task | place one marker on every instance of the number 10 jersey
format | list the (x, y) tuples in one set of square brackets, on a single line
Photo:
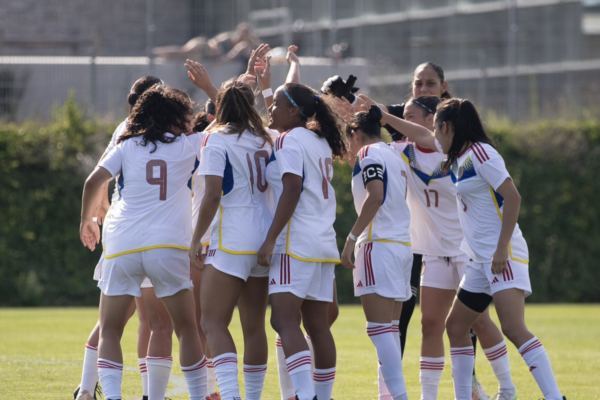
[(309, 235), (153, 208)]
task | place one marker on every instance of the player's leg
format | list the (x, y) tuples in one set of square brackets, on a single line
[(113, 317), (494, 347), (379, 312), (142, 344), (211, 378), (435, 305), (409, 305), (333, 311), (510, 306), (89, 374), (216, 316), (252, 305), (159, 361)]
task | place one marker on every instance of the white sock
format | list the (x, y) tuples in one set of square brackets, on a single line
[(299, 366), (195, 377), (384, 393), (111, 375), (389, 357), (159, 371), (463, 360), (498, 357), (254, 378), (89, 375), (285, 383), (537, 360), (312, 352), (211, 378), (323, 380), (396, 332), (431, 369), (144, 374), (227, 375)]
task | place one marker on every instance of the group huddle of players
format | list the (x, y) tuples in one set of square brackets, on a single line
[(223, 209)]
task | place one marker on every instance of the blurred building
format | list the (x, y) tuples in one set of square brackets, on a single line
[(522, 58)]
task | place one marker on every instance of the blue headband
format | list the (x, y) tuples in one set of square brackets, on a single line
[(423, 106), (293, 102)]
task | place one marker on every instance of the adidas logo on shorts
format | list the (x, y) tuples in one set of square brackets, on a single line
[(272, 282), (495, 280), (359, 284)]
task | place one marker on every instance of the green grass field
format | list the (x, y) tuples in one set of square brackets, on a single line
[(41, 352)]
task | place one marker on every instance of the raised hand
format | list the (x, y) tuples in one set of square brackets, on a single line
[(198, 74), (248, 79), (291, 56), (262, 69), (260, 52), (366, 103), (340, 88)]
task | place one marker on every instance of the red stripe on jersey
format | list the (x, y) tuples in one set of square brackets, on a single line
[(512, 277), (367, 150), (467, 149), (369, 275), (484, 154), (281, 278), (479, 158), (205, 140), (289, 274)]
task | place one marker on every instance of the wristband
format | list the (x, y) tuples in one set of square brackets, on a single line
[(267, 93), (352, 237)]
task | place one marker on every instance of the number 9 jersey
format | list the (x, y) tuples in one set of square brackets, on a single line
[(154, 204), (309, 235)]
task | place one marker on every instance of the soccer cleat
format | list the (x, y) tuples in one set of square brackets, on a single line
[(97, 392), (478, 393), (505, 396), (144, 397), (214, 396), (84, 395)]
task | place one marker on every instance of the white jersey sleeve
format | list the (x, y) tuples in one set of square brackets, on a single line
[(113, 161), (212, 160), (289, 157), (480, 170)]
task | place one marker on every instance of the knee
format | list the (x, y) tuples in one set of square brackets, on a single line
[(332, 313), (482, 326), (161, 329), (513, 331), (455, 328), (432, 326)]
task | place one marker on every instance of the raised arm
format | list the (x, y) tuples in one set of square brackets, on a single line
[(263, 76), (201, 79), (293, 75), (415, 133)]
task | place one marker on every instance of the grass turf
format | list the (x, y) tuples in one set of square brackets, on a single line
[(41, 352)]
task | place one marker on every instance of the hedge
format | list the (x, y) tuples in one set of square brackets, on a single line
[(554, 164)]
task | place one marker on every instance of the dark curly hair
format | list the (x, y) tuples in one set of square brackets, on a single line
[(236, 111), (325, 123), (158, 111), (139, 87), (461, 115), (368, 123)]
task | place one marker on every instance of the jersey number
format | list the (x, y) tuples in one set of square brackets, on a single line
[(325, 173), (434, 195), (261, 180), (161, 180)]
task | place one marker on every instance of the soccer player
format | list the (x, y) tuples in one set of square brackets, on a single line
[(436, 233), (380, 241), (147, 233), (488, 204), (161, 330), (233, 161), (300, 246)]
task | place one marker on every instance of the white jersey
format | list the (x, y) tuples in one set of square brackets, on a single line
[(197, 185), (392, 221), (111, 145), (435, 227), (240, 225), (153, 207), (309, 235), (479, 172)]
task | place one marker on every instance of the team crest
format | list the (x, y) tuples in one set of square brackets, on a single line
[(461, 171)]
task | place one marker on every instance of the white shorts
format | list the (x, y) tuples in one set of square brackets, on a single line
[(306, 280), (168, 270), (98, 274), (443, 272), (479, 278), (238, 265), (383, 268)]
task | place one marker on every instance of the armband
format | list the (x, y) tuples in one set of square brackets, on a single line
[(371, 173), (267, 93)]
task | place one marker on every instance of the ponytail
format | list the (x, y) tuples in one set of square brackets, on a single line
[(325, 122)]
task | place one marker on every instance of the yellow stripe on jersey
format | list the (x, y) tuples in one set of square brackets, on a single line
[(500, 216), (160, 246), (289, 253), (392, 241), (221, 238)]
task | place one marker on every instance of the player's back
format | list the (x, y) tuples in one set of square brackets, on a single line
[(153, 208)]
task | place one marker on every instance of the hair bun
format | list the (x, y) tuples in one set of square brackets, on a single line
[(132, 98), (374, 114)]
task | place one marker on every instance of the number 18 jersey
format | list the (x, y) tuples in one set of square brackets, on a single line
[(154, 204), (309, 235)]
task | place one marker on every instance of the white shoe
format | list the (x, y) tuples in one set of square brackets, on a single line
[(505, 396), (478, 393), (84, 395)]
